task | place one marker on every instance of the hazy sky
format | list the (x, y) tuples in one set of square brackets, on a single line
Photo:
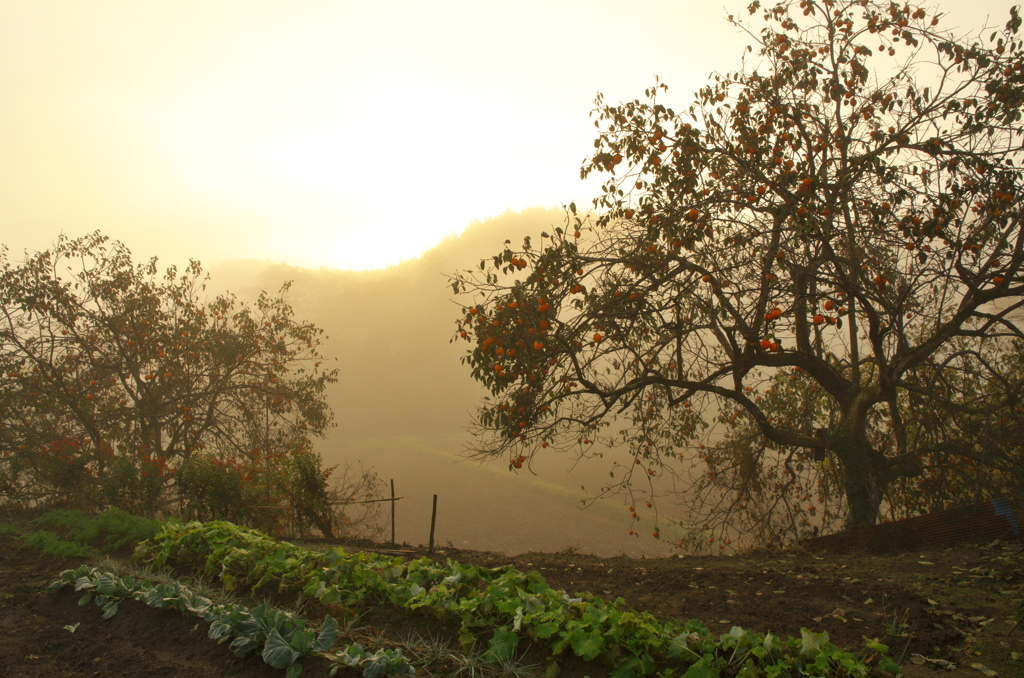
[(323, 133)]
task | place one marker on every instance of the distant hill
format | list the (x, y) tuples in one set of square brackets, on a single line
[(403, 399), (390, 328)]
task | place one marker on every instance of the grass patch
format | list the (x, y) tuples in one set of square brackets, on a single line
[(107, 532), (50, 544), (8, 529), (74, 534)]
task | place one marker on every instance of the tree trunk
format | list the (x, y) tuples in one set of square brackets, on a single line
[(321, 520), (865, 481)]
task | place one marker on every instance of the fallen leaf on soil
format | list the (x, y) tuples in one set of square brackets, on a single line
[(941, 663), (839, 614), (984, 669)]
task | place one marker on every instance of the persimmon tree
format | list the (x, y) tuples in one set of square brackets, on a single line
[(843, 212), (755, 487), (113, 373)]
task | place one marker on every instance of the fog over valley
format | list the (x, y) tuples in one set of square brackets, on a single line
[(403, 401)]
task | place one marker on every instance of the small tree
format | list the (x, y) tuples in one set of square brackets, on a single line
[(844, 211), (283, 491), (120, 373)]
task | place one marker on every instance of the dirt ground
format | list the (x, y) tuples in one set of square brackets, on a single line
[(951, 604)]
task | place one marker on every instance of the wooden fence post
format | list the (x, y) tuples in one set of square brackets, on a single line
[(433, 519)]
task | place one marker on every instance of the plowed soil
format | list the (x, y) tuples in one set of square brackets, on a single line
[(957, 605)]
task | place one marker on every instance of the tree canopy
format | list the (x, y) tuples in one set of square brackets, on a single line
[(115, 374), (809, 280)]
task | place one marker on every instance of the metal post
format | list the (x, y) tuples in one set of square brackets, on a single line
[(393, 511)]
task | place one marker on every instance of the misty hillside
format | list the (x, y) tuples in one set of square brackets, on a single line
[(389, 329), (403, 399)]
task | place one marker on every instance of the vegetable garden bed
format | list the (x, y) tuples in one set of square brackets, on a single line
[(394, 614)]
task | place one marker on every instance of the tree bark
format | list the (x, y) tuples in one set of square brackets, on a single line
[(865, 479)]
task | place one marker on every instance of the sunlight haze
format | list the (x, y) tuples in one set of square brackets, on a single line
[(332, 134), (335, 134)]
